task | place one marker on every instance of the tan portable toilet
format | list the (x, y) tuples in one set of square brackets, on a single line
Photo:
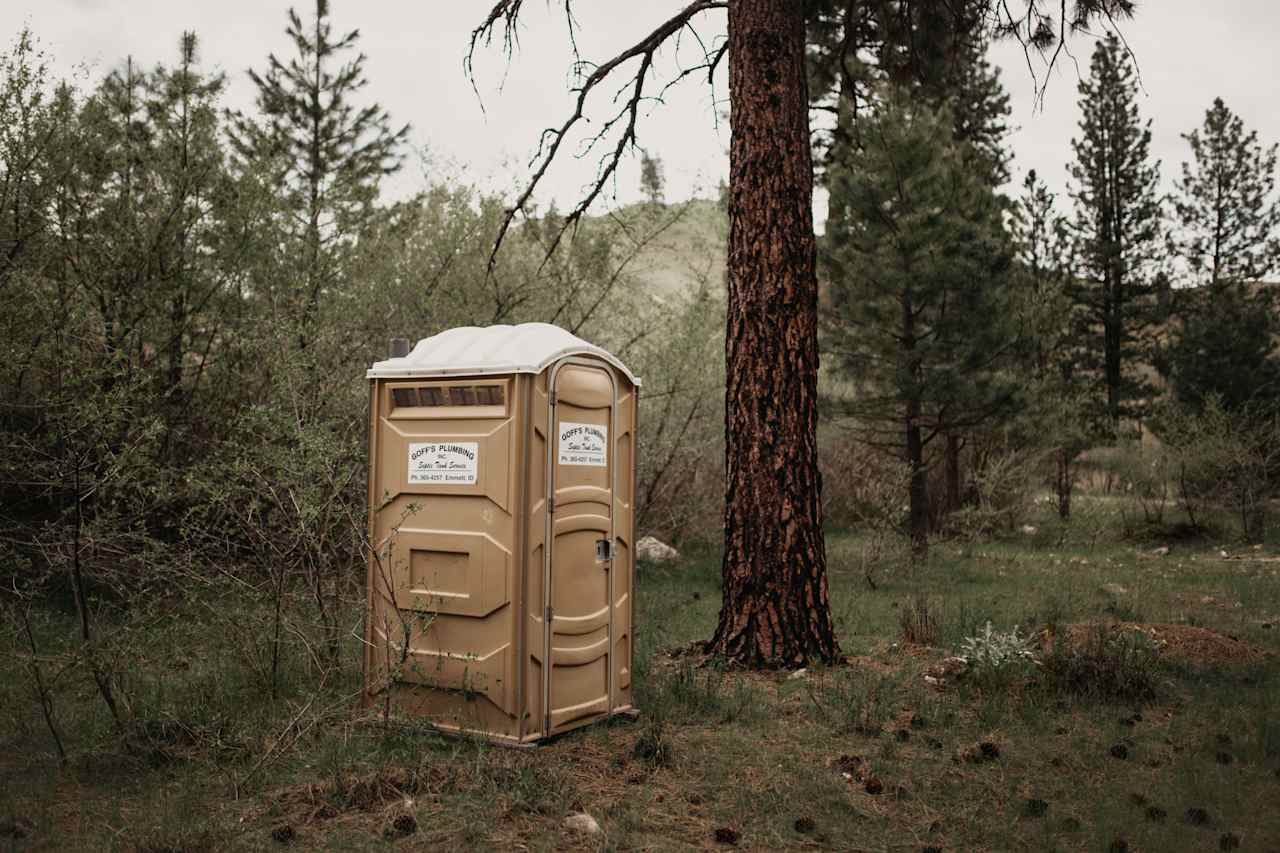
[(501, 513)]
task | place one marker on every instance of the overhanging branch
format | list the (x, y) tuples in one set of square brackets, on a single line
[(505, 15)]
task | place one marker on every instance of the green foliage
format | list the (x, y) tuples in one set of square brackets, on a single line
[(995, 656), (651, 178), (1117, 227), (1106, 664), (919, 267), (1226, 209), (1225, 347), (323, 155), (1224, 457)]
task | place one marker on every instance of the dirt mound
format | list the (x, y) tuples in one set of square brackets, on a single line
[(1181, 643)]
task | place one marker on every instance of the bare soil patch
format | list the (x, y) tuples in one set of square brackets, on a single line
[(1180, 643)]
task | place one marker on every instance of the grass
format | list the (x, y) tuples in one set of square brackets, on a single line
[(867, 756)]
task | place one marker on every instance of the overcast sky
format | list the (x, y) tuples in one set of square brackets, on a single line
[(1189, 51)]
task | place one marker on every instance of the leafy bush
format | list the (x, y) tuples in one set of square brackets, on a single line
[(997, 654), (1227, 458), (1001, 488)]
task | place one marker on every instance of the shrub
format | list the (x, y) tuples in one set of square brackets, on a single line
[(1108, 664), (1001, 491), (866, 491), (1225, 457), (997, 655)]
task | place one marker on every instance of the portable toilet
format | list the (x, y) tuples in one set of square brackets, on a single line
[(501, 518)]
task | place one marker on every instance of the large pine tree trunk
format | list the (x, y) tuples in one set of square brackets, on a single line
[(775, 609)]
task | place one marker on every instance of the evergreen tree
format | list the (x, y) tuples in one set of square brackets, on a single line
[(652, 180), (980, 112), (1226, 348), (1224, 341), (1117, 227), (1053, 416), (919, 314), (328, 155), (940, 55), (192, 187), (1227, 212)]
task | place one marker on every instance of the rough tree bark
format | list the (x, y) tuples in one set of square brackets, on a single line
[(775, 609), (954, 498)]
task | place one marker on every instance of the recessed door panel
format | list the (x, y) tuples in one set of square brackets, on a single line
[(582, 462)]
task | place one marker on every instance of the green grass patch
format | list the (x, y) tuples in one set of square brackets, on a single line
[(1167, 740)]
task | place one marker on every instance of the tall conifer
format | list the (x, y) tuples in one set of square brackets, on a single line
[(1117, 226)]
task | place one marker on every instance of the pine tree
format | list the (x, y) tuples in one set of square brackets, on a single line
[(1224, 343), (652, 180), (776, 610), (775, 606), (1227, 212), (919, 315), (1226, 348), (1053, 388), (327, 155), (940, 55), (1117, 227), (191, 184)]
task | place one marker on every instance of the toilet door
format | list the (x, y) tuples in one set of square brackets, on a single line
[(579, 681)]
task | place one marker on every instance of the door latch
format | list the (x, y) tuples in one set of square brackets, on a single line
[(604, 550)]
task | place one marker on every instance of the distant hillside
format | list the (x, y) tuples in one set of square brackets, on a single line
[(687, 252)]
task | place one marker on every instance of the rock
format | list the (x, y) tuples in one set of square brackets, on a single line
[(1162, 551), (798, 674), (582, 822), (948, 667), (1114, 589), (649, 548), (1030, 529)]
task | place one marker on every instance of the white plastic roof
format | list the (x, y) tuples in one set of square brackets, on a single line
[(471, 350)]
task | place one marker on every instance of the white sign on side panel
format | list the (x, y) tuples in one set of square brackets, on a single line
[(449, 463), (584, 444)]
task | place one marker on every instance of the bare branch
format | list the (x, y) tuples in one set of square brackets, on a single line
[(505, 13)]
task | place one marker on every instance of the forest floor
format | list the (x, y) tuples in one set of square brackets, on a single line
[(866, 756)]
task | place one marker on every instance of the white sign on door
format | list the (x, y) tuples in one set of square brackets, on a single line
[(584, 444), (449, 463)]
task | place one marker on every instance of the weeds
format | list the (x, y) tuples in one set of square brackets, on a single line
[(920, 622), (1106, 663), (855, 700), (694, 693)]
